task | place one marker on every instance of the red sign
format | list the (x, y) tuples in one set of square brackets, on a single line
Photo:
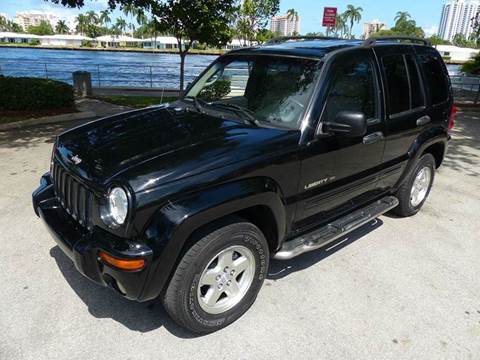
[(329, 16)]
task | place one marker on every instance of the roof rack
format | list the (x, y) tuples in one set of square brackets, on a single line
[(374, 39), (281, 39)]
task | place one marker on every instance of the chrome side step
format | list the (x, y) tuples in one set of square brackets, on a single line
[(335, 229)]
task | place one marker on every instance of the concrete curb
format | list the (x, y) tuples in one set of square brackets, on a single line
[(48, 120)]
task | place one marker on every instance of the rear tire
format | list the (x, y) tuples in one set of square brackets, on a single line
[(219, 277), (415, 190)]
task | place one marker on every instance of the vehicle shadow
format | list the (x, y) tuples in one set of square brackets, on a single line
[(32, 136), (281, 268), (104, 303), (462, 154)]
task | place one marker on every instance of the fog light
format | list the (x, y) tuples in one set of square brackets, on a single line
[(123, 264)]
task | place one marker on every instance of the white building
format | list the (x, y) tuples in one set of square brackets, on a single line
[(456, 54), (161, 42), (370, 28), (117, 41), (33, 18), (16, 38), (285, 26), (63, 40), (45, 40), (457, 18)]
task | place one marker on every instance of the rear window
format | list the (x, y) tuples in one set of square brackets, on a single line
[(436, 79), (403, 83)]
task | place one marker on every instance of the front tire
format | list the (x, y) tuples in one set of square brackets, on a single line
[(219, 277), (414, 191)]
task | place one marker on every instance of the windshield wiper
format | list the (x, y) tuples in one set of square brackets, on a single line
[(247, 114)]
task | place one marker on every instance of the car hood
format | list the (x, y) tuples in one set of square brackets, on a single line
[(155, 145)]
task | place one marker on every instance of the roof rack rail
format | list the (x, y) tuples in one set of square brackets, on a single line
[(374, 39), (281, 39)]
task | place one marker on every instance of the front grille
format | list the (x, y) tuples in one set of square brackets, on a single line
[(75, 198)]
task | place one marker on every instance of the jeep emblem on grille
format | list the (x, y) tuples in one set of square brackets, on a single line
[(76, 159)]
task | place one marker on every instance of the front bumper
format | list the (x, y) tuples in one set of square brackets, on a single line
[(82, 246)]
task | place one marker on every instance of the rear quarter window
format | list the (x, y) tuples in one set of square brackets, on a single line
[(403, 83), (436, 79)]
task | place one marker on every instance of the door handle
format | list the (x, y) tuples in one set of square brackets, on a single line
[(424, 120), (373, 138)]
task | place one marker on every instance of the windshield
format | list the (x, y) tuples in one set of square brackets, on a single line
[(272, 89)]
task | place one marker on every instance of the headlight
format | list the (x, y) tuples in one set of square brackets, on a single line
[(117, 207)]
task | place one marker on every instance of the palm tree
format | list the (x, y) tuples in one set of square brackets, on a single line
[(61, 27), (130, 11), (354, 14), (105, 17), (402, 16), (81, 23), (121, 25), (292, 15), (340, 26)]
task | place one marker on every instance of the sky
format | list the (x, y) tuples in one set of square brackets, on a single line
[(425, 12)]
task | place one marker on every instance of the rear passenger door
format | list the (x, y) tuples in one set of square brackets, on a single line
[(437, 83), (340, 173), (406, 111)]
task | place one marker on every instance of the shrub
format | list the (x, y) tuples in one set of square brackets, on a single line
[(472, 66), (216, 91), (34, 42), (21, 93)]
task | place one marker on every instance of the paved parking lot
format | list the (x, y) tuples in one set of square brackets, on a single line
[(394, 289)]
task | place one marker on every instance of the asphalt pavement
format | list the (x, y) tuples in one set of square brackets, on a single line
[(394, 289)]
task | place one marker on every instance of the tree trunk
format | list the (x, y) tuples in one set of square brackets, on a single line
[(182, 70)]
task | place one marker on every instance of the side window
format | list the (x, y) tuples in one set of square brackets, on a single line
[(417, 99), (353, 89), (403, 83), (436, 79)]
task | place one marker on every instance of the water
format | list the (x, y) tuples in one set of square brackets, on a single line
[(112, 68), (106, 68)]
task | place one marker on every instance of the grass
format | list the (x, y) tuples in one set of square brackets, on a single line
[(136, 101), (14, 116)]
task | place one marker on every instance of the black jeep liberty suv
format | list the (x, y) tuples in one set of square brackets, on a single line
[(273, 151)]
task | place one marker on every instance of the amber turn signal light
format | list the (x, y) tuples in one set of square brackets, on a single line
[(123, 264)]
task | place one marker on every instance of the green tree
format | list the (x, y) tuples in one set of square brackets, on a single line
[(43, 28), (203, 21), (61, 27), (353, 15), (437, 40), (401, 17), (104, 18), (404, 26), (8, 25), (253, 16), (460, 40), (263, 35), (120, 26), (341, 28)]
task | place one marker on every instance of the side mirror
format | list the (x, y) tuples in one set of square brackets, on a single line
[(347, 123)]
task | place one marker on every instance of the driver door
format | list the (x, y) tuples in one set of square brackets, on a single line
[(340, 173)]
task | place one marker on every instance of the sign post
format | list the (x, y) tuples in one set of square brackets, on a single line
[(329, 16)]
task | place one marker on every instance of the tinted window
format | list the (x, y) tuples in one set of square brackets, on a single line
[(397, 84), (403, 83), (416, 94), (436, 79), (352, 89)]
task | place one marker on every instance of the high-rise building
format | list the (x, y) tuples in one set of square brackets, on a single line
[(284, 25), (457, 18), (370, 28), (33, 18)]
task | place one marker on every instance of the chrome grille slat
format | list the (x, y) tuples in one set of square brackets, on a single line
[(75, 198)]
